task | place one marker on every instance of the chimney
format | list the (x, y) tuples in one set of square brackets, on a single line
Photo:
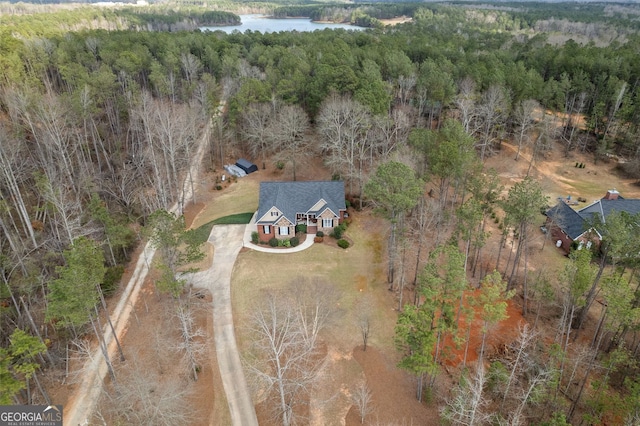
[(612, 194)]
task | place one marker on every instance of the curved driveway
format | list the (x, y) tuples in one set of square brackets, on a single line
[(227, 242)]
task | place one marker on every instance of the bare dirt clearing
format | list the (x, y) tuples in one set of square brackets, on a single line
[(559, 177)]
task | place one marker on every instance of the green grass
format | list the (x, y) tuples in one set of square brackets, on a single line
[(202, 232), (234, 219)]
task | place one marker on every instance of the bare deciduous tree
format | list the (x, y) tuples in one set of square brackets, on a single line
[(574, 106), (315, 301), (143, 397), (81, 353), (165, 133), (524, 120), (361, 397), (391, 132), (467, 406), (537, 379), (287, 134), (11, 165), (465, 101), (491, 113), (344, 125), (256, 119), (191, 67), (547, 134), (405, 87), (526, 337), (191, 344), (424, 219), (286, 359), (364, 310)]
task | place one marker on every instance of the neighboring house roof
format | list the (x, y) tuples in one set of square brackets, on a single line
[(605, 207), (575, 223), (569, 220), (299, 197)]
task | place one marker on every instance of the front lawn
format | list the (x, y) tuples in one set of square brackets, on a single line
[(354, 273)]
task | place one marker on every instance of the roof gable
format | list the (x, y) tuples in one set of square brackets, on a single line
[(319, 205), (300, 197), (270, 215)]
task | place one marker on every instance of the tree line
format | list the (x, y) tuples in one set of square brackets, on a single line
[(42, 20)]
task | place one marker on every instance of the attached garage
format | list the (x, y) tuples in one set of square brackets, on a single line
[(247, 166)]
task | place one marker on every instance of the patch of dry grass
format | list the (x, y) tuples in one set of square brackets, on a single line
[(238, 197)]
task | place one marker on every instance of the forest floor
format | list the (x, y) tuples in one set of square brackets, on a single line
[(393, 390)]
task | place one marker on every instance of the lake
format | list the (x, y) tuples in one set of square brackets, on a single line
[(267, 25)]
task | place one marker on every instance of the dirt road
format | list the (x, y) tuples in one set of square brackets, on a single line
[(82, 403)]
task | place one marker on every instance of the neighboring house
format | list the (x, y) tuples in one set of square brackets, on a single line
[(318, 204), (568, 225)]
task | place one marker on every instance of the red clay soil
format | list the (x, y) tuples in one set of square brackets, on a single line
[(498, 336), (393, 390)]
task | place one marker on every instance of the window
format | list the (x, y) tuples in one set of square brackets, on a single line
[(274, 213), (266, 229), (327, 223), (284, 230)]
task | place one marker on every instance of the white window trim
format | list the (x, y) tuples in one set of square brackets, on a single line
[(284, 228), (266, 229), (325, 221)]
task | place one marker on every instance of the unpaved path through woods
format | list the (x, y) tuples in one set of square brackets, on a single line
[(82, 402)]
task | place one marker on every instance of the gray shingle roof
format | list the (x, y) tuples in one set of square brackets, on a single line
[(574, 223), (298, 197), (606, 207), (569, 220)]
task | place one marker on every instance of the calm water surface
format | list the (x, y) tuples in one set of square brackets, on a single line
[(267, 25)]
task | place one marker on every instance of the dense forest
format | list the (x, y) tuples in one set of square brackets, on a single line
[(101, 110)]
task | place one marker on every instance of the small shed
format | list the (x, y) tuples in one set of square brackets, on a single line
[(246, 165)]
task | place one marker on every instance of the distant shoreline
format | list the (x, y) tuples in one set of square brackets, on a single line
[(386, 22)]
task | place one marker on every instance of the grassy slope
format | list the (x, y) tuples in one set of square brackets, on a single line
[(239, 197)]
